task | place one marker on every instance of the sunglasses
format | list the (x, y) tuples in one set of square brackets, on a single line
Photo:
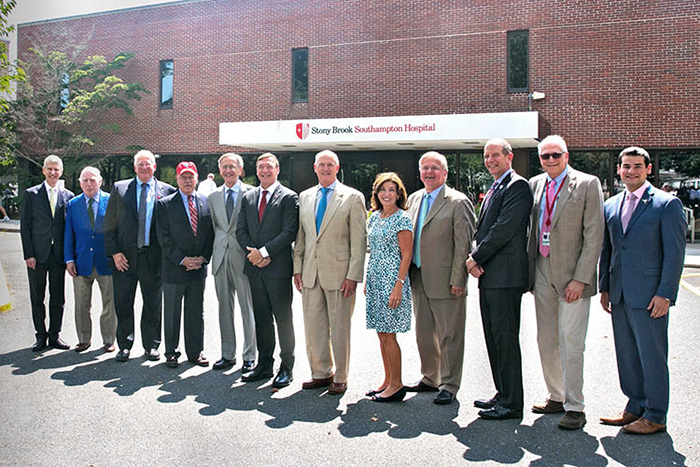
[(553, 155)]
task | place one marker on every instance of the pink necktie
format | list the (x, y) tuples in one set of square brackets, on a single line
[(547, 220), (627, 210), (193, 214)]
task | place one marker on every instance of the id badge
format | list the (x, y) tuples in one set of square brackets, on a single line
[(545, 238)]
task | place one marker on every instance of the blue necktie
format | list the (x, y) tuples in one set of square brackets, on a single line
[(419, 228), (322, 204)]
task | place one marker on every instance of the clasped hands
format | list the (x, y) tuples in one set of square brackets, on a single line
[(256, 258), (192, 263)]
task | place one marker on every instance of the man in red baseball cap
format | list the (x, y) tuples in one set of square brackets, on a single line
[(186, 238)]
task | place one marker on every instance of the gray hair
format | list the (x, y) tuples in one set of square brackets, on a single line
[(329, 153), (553, 139), (232, 155), (93, 170), (144, 153), (506, 148), (53, 159), (435, 155), (267, 155)]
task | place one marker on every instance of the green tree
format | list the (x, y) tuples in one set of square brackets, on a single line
[(64, 106)]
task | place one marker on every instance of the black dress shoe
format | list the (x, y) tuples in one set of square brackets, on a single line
[(122, 355), (420, 386), (498, 412), (444, 397), (283, 379), (171, 361), (58, 343), (223, 364), (395, 397), (201, 360), (152, 355), (39, 345), (486, 403), (248, 366), (259, 373)]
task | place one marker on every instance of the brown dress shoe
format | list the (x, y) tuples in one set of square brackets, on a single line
[(337, 388), (621, 419), (572, 420), (643, 427), (82, 347), (549, 406), (109, 347), (317, 383)]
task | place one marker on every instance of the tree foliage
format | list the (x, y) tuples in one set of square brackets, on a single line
[(65, 104)]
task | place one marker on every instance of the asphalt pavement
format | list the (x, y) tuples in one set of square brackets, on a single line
[(60, 408)]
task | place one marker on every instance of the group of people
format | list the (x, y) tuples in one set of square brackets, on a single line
[(552, 235)]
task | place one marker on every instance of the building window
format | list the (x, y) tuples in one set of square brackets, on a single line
[(300, 75), (166, 84), (64, 95), (518, 57)]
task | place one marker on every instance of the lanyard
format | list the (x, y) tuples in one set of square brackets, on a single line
[(550, 207)]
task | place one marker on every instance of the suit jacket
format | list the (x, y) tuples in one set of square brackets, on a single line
[(225, 231), (338, 251), (85, 244), (39, 229), (276, 232), (501, 235), (646, 260), (122, 222), (446, 240), (177, 240), (577, 231)]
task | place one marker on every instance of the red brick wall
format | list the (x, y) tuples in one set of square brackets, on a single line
[(614, 72)]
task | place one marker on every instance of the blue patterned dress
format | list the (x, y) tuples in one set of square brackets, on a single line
[(382, 272)]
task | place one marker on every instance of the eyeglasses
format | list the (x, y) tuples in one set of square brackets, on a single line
[(553, 155), (428, 168)]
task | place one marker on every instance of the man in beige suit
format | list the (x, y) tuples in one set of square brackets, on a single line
[(443, 221), (566, 236), (329, 257), (228, 259)]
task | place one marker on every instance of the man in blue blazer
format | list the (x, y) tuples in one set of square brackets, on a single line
[(42, 221), (86, 262), (640, 269)]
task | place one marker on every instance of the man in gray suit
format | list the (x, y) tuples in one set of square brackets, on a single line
[(443, 221), (228, 260), (566, 234)]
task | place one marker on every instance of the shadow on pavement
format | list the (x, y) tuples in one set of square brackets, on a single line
[(657, 449)]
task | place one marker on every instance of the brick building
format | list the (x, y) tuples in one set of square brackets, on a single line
[(256, 75)]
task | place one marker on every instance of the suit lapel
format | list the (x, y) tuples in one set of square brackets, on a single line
[(101, 209), (641, 207), (437, 205), (496, 193), (564, 195), (537, 203), (333, 205), (130, 197), (415, 208), (273, 200), (44, 200)]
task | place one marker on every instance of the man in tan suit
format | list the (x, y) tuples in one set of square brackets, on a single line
[(566, 236), (443, 221), (228, 259), (329, 257)]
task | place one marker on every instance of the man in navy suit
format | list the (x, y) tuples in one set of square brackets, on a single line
[(640, 269), (186, 238), (86, 262), (500, 262), (132, 244), (42, 221), (267, 226)]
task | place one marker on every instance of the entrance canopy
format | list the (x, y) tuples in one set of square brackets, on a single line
[(416, 132)]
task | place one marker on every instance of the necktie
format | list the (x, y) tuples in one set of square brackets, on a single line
[(489, 194), (263, 204), (141, 237), (52, 201), (91, 212), (229, 204), (627, 210), (322, 205), (193, 213), (547, 220), (419, 228)]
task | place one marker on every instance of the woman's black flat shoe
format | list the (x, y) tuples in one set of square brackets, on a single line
[(395, 397)]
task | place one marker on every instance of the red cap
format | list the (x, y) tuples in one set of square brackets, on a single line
[(186, 166)]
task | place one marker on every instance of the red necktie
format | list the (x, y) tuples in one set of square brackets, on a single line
[(263, 204), (193, 213), (547, 220)]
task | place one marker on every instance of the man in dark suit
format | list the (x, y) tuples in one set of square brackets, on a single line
[(86, 262), (443, 220), (499, 260), (267, 226), (640, 269), (186, 237), (42, 221), (131, 242), (228, 260)]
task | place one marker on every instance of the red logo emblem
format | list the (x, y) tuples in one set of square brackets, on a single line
[(302, 130)]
